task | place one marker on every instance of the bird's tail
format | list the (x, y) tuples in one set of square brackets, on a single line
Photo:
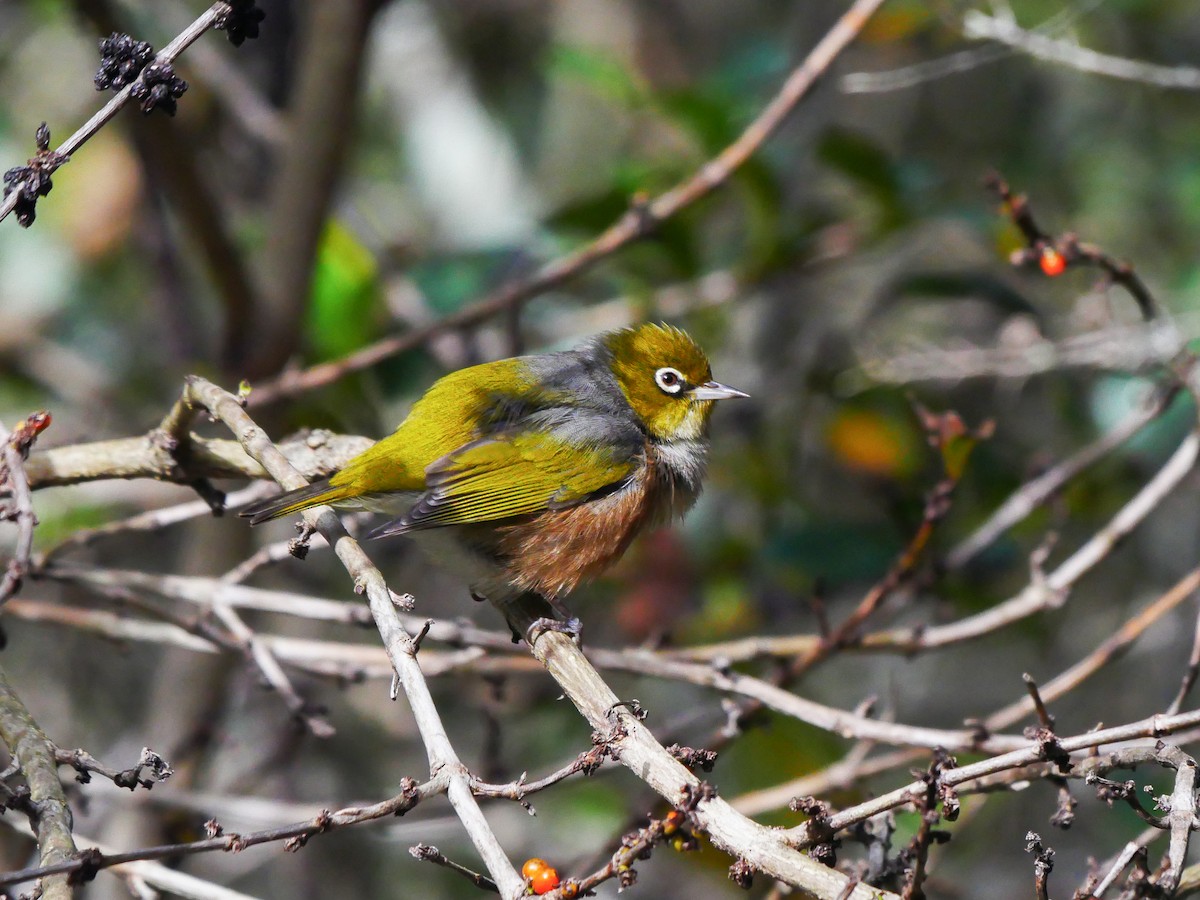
[(315, 494)]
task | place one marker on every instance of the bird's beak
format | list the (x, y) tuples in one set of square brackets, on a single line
[(713, 390)]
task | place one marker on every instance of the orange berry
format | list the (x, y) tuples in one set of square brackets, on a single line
[(672, 822), (1052, 262), (533, 866), (544, 880)]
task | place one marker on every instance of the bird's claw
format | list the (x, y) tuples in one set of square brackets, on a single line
[(573, 627)]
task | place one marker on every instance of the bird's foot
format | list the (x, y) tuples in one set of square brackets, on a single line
[(572, 627)]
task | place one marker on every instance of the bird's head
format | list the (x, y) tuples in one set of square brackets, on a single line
[(666, 379)]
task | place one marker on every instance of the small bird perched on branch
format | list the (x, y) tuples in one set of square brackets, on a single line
[(533, 473)]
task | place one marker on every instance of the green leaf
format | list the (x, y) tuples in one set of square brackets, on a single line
[(603, 73), (345, 308)]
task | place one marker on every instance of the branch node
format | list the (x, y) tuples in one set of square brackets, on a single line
[(1043, 714), (416, 642), (90, 862), (741, 873), (694, 758), (1049, 747), (32, 180)]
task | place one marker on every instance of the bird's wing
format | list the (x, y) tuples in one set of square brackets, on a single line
[(513, 474)]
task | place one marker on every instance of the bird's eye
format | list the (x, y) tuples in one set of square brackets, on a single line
[(670, 380)]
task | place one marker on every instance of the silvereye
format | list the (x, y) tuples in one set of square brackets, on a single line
[(533, 473)]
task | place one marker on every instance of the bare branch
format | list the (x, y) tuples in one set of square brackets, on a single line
[(761, 848), (200, 394), (314, 454), (47, 804)]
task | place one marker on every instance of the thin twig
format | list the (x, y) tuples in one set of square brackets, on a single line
[(910, 76), (941, 430), (1035, 492), (1070, 248), (87, 765), (1043, 864), (977, 24), (1190, 673), (14, 479), (152, 875), (1122, 348), (640, 220), (1044, 718), (1152, 727), (1123, 859), (410, 795), (1111, 648), (430, 854)]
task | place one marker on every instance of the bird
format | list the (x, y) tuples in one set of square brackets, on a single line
[(532, 474)]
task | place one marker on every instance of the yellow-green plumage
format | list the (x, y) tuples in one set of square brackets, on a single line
[(446, 418), (511, 476)]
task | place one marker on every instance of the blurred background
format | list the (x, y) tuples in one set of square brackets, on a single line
[(365, 169)]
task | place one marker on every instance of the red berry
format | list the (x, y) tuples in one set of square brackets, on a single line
[(544, 880), (1052, 262), (533, 866), (39, 421)]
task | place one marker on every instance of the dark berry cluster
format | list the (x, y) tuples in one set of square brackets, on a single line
[(33, 180), (121, 59), (158, 88), (240, 21)]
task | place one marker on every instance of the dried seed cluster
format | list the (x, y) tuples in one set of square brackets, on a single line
[(121, 61)]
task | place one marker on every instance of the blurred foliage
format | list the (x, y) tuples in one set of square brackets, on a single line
[(494, 136), (344, 310)]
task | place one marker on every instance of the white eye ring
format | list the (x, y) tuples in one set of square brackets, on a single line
[(669, 380)]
